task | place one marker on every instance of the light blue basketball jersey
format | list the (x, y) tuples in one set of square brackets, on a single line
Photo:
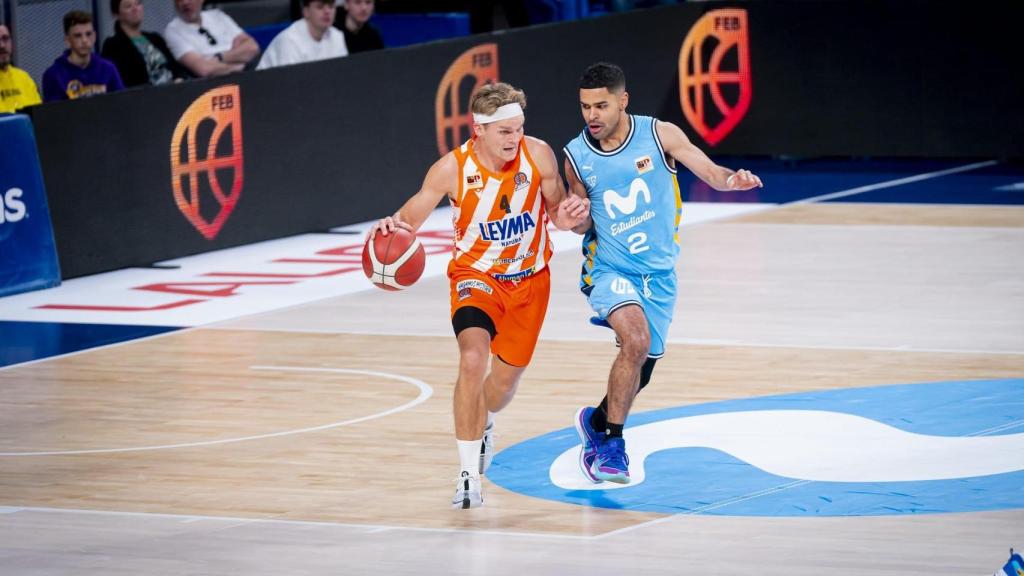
[(634, 202)]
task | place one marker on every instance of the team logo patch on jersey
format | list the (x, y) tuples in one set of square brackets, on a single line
[(592, 181), (474, 181), (464, 286), (644, 164), (521, 181)]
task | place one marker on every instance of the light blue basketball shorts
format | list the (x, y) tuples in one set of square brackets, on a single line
[(655, 293)]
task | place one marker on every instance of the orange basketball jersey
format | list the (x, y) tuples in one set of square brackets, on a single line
[(499, 218)]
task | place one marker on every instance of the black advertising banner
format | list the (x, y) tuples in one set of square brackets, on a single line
[(148, 175)]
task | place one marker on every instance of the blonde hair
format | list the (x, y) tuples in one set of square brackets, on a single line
[(490, 97)]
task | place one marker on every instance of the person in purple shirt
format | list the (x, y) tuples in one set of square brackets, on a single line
[(78, 72)]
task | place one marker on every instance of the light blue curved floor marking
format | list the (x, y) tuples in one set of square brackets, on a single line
[(709, 481)]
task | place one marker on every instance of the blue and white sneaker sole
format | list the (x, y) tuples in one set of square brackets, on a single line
[(618, 478), (584, 467)]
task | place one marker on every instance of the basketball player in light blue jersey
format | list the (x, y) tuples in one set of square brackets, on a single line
[(626, 166)]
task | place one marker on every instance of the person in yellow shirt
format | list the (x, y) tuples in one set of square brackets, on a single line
[(17, 90)]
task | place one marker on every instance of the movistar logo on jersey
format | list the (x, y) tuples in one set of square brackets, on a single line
[(626, 204), (506, 228)]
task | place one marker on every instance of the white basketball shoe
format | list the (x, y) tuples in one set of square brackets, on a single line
[(467, 492)]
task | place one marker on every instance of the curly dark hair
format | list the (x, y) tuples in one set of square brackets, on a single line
[(603, 75)]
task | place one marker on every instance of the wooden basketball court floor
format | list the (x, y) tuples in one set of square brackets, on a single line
[(318, 439)]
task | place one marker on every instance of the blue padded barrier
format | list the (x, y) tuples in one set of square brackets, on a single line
[(28, 254)]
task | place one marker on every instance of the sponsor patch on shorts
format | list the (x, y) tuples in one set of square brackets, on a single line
[(464, 286)]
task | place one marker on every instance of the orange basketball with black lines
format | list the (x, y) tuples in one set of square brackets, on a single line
[(394, 261)]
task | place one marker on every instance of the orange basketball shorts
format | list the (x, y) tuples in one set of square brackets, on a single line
[(516, 308)]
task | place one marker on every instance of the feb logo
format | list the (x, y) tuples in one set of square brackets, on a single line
[(714, 73), (206, 159), (471, 70)]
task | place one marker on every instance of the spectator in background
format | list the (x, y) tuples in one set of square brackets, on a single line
[(481, 14), (141, 57), (626, 5), (308, 39), (78, 73), (17, 90), (354, 21), (208, 43)]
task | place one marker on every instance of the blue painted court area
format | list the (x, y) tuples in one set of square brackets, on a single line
[(972, 416), (793, 180), (27, 341)]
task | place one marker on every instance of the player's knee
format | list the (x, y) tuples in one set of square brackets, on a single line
[(636, 345), (473, 362)]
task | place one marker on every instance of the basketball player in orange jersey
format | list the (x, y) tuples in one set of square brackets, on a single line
[(503, 187)]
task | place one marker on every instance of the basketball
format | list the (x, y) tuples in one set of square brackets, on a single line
[(395, 261)]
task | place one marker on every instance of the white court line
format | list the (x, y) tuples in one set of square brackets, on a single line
[(1000, 428), (635, 527), (892, 183), (369, 528), (702, 509), (687, 341), (746, 497), (705, 508), (425, 392)]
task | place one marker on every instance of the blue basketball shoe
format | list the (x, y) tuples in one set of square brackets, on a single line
[(611, 462), (590, 439)]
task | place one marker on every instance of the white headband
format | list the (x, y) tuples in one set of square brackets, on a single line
[(503, 113)]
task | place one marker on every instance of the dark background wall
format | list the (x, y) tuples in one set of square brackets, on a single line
[(347, 140)]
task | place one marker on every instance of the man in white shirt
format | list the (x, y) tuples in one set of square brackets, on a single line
[(311, 38), (208, 43)]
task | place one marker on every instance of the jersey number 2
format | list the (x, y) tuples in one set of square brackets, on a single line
[(637, 242)]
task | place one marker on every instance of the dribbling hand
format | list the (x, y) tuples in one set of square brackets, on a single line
[(386, 225)]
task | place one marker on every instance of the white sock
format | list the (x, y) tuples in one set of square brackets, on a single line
[(490, 419), (469, 456)]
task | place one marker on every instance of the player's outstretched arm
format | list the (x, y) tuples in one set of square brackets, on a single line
[(439, 182), (678, 146), (576, 189), (566, 210)]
